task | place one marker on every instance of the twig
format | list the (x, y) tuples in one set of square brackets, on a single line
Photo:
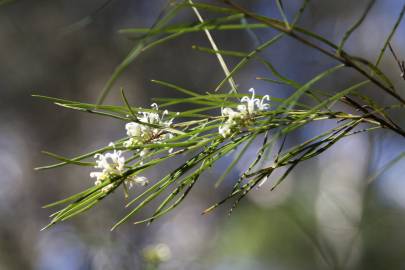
[(401, 64), (354, 26), (344, 58), (215, 48), (383, 123), (401, 15)]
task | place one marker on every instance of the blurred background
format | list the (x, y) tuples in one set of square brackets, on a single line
[(326, 215)]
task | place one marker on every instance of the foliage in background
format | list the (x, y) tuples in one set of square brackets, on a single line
[(222, 122)]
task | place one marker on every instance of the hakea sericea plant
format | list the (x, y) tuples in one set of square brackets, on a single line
[(242, 117)]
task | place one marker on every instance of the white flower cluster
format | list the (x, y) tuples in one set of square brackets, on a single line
[(112, 164), (244, 112), (143, 133)]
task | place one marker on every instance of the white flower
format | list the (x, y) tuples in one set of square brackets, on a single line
[(111, 164), (140, 180), (252, 103), (140, 133), (100, 176), (129, 143), (225, 129), (231, 115), (244, 112), (133, 129), (107, 188), (143, 152), (262, 106)]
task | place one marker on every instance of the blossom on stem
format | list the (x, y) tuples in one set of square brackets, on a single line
[(147, 129), (136, 180), (107, 188), (245, 111), (112, 164)]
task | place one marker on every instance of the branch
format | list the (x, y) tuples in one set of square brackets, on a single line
[(344, 57)]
